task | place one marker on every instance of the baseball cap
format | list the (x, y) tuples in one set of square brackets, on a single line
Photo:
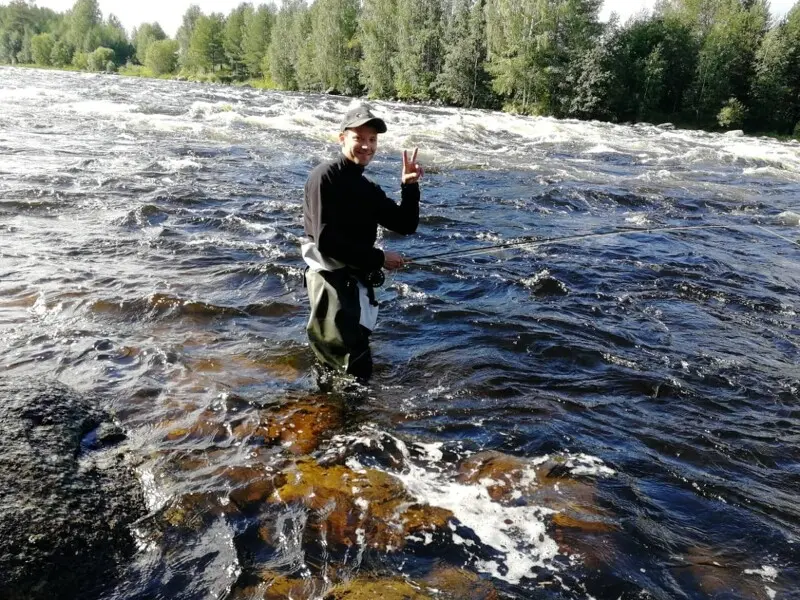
[(362, 115)]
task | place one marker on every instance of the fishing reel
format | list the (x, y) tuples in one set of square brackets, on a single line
[(376, 278)]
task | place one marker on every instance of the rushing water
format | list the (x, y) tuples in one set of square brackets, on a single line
[(149, 251)]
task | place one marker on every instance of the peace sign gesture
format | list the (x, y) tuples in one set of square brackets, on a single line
[(412, 171)]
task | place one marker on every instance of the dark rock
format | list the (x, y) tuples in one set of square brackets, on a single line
[(65, 508)]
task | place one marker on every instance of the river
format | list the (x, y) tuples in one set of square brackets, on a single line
[(149, 252)]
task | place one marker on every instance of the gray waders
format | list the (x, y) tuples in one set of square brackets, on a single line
[(334, 330)]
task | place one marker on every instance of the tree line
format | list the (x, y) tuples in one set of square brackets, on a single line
[(700, 63)]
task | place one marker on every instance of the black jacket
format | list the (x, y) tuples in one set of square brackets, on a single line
[(343, 209)]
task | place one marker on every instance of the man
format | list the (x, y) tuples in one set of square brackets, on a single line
[(342, 211)]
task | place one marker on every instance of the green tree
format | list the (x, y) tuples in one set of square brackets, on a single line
[(80, 60), (593, 85), (19, 23), (185, 32), (25, 54), (729, 33), (162, 57), (255, 39), (283, 53), (650, 64), (42, 48), (776, 84), (84, 25), (732, 114), (61, 54), (99, 59), (419, 56), (233, 39), (378, 36), (573, 30), (536, 47), (336, 50), (10, 44), (301, 37), (143, 36), (206, 53), (113, 35), (464, 80), (517, 51)]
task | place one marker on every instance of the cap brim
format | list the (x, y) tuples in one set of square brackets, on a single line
[(378, 124)]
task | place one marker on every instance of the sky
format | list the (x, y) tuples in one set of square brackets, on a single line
[(169, 13)]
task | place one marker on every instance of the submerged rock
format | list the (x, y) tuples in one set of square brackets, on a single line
[(385, 589), (364, 507), (459, 584), (722, 576), (66, 499), (300, 426), (551, 482)]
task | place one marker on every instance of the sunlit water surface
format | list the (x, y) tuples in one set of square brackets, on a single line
[(149, 235)]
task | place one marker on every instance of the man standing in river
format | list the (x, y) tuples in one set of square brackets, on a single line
[(342, 210)]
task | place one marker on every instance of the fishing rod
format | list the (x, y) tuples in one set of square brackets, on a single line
[(531, 242)]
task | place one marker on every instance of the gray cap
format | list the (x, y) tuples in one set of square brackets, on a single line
[(362, 115)]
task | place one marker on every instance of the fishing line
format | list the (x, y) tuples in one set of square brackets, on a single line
[(777, 235), (528, 242)]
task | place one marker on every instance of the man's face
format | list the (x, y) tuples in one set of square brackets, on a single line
[(359, 144)]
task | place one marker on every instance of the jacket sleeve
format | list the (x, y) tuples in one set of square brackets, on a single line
[(402, 218), (324, 224)]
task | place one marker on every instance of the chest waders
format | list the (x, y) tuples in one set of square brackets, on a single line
[(343, 314)]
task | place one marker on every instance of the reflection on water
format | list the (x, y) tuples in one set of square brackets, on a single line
[(604, 417)]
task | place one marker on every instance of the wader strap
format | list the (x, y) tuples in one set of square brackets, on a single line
[(363, 279)]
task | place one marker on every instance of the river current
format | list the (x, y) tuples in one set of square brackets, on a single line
[(149, 252)]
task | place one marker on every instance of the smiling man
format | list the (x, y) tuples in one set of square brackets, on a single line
[(342, 211)]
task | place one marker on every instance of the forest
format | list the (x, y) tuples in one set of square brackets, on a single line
[(710, 64)]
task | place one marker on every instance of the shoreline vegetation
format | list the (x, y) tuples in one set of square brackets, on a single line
[(714, 65)]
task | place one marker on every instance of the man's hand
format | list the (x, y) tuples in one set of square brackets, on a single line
[(412, 171), (392, 260)]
